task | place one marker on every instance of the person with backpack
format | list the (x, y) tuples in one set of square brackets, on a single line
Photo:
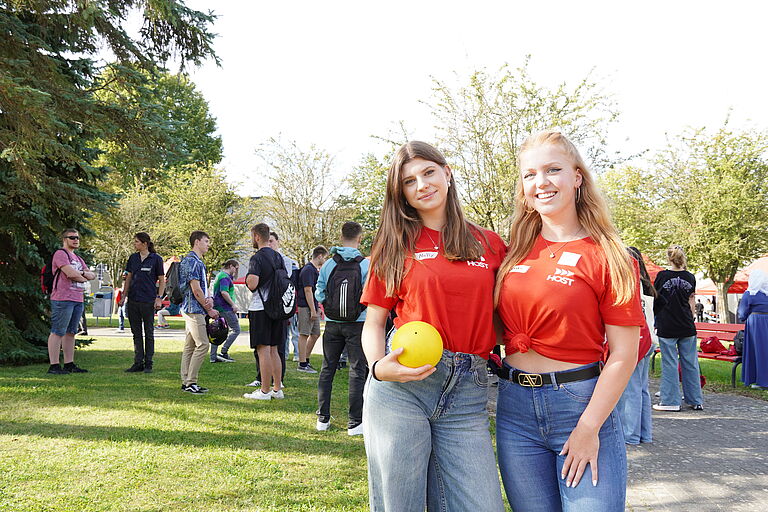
[(273, 301), (309, 315), (339, 288), (195, 305), (64, 278), (224, 303), (143, 288)]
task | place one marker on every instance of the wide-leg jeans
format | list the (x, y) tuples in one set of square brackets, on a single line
[(428, 442)]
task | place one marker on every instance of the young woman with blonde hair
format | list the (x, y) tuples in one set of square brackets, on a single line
[(675, 310), (565, 286), (426, 429)]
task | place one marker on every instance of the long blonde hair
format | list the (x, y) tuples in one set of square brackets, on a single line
[(593, 215), (400, 223)]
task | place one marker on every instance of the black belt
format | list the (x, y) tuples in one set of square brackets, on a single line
[(536, 380)]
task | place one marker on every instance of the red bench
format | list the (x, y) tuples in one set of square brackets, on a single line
[(724, 332)]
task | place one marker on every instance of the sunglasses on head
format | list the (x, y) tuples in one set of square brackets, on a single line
[(73, 237)]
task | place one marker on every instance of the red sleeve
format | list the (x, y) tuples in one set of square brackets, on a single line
[(375, 293), (630, 313), (497, 244)]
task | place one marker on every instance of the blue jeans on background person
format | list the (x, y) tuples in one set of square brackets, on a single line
[(689, 362), (234, 331), (65, 316), (532, 425), (121, 317), (292, 337), (428, 442), (635, 405)]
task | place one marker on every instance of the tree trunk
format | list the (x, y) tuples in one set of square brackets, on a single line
[(726, 317)]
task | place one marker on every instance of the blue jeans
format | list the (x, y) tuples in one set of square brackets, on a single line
[(532, 425), (428, 442), (635, 405), (65, 316), (689, 362), (292, 337), (234, 331)]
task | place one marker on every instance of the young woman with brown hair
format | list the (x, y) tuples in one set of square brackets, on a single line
[(565, 286), (426, 429)]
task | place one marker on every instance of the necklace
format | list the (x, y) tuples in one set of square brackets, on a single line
[(552, 254), (431, 239)]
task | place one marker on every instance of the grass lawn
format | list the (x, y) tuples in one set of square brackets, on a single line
[(108, 440)]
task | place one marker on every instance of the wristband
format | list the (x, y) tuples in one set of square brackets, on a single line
[(373, 370)]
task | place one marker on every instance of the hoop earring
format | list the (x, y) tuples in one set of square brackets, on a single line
[(528, 209)]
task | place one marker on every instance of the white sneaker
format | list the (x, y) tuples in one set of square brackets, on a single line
[(255, 384), (657, 394), (258, 395), (357, 431), (659, 407), (322, 426), (277, 394), (295, 359)]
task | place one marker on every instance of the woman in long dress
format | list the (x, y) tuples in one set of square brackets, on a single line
[(753, 311)]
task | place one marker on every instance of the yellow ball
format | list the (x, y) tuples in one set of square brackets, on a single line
[(421, 343)]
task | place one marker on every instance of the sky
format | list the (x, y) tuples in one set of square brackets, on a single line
[(336, 73)]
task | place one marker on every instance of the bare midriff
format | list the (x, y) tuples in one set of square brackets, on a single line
[(533, 362)]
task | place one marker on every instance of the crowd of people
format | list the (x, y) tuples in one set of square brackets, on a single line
[(574, 309)]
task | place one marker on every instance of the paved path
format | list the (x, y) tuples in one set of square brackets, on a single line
[(701, 461)]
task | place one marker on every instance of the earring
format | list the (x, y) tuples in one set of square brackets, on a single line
[(528, 209)]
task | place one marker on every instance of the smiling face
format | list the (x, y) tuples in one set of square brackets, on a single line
[(550, 179), (425, 184)]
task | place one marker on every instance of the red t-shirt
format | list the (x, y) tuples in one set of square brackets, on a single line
[(454, 296), (559, 306)]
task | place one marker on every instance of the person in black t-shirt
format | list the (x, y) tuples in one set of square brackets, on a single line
[(266, 334), (308, 311), (675, 310), (144, 286)]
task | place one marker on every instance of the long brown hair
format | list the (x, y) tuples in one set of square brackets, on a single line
[(593, 215), (400, 223)]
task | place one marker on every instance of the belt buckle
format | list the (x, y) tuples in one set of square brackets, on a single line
[(530, 380)]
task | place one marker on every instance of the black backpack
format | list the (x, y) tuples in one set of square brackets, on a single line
[(173, 288), (738, 342), (281, 302), (47, 277), (344, 289)]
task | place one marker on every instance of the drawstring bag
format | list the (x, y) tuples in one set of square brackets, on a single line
[(712, 345)]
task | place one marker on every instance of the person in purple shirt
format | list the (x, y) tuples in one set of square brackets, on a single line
[(70, 273)]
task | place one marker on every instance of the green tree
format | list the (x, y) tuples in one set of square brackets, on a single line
[(713, 191), (482, 123), (201, 199), (635, 207), (184, 129), (366, 186), (50, 121)]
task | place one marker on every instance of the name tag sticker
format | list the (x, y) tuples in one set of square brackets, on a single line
[(569, 258), (521, 269), (427, 255)]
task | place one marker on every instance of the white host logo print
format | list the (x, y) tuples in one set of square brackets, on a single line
[(480, 263), (561, 276)]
